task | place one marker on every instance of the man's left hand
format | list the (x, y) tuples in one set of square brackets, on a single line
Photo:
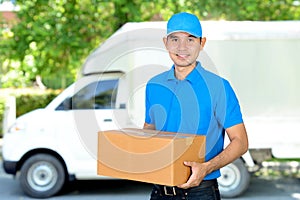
[(198, 174)]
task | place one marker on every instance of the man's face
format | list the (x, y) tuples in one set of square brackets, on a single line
[(183, 48)]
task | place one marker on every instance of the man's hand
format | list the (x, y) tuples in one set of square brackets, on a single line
[(149, 126), (198, 174)]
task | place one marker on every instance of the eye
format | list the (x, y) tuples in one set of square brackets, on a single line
[(191, 39)]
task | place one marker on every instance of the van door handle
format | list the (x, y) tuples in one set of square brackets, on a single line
[(107, 120)]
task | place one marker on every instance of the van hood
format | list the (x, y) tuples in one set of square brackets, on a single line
[(33, 115)]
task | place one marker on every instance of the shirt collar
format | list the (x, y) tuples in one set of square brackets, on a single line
[(171, 74), (193, 77)]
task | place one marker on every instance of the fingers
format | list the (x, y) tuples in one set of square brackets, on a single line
[(194, 179), (192, 182), (187, 185), (189, 163), (184, 186)]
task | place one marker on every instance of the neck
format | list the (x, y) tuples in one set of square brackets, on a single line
[(182, 72)]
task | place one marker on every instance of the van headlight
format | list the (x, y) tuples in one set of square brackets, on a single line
[(16, 127)]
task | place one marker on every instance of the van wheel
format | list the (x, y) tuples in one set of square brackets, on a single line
[(42, 176), (234, 179)]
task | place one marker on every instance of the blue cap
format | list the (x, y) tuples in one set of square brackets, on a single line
[(184, 22)]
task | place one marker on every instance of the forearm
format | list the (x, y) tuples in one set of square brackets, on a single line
[(233, 151), (237, 147)]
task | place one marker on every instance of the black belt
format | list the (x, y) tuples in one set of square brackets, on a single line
[(173, 190)]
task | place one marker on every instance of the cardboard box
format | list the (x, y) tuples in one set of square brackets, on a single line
[(148, 155)]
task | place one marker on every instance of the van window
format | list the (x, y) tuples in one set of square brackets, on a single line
[(97, 95)]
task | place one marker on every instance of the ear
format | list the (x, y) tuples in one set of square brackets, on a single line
[(203, 41), (165, 41)]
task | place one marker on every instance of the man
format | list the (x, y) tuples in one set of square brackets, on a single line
[(189, 99)]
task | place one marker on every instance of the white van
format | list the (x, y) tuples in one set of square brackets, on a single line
[(47, 147)]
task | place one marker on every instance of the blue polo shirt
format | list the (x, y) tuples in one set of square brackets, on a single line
[(203, 103)]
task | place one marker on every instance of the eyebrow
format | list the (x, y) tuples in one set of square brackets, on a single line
[(192, 36), (172, 36)]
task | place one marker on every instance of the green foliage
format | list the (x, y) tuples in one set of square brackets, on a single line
[(26, 100), (257, 10), (53, 38), (2, 107)]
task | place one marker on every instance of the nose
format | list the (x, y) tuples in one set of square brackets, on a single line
[(182, 45)]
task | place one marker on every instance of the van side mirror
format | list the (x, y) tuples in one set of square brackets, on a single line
[(122, 105)]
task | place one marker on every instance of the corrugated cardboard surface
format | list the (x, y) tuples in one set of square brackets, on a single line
[(147, 155)]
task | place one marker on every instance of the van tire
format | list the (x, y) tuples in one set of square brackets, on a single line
[(234, 179), (42, 176)]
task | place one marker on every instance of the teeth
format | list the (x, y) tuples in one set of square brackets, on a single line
[(181, 55)]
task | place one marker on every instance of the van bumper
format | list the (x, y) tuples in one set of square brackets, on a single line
[(10, 167)]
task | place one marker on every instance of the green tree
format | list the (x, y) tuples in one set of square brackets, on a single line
[(53, 38), (256, 10)]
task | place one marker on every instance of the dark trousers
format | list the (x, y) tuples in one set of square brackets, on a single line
[(207, 190)]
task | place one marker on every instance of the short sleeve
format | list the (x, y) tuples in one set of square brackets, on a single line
[(228, 111)]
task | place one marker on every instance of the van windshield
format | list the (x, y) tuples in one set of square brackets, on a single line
[(96, 95)]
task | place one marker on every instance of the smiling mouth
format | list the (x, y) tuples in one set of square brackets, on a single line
[(182, 55)]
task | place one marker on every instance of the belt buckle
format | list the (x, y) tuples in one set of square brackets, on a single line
[(172, 193)]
